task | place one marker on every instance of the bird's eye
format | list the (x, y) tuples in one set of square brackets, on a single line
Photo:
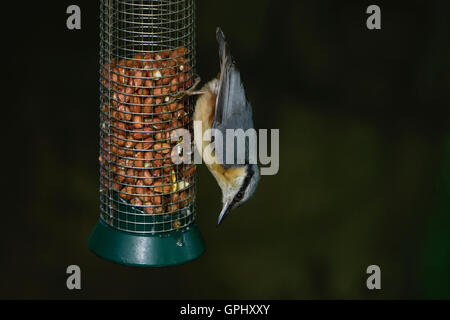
[(240, 195)]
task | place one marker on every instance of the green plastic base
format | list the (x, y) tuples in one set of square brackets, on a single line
[(146, 250)]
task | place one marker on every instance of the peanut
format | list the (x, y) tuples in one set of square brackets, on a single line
[(172, 208), (161, 135), (166, 169), (180, 113), (124, 113), (138, 163), (121, 140), (175, 197), (157, 91), (161, 147), (147, 105), (140, 189), (114, 75), (156, 74), (156, 123), (157, 200), (136, 202), (143, 92), (137, 119), (174, 84), (141, 146), (144, 133), (158, 210), (130, 176), (165, 54), (148, 155), (148, 178), (148, 83), (166, 113), (157, 160), (128, 92), (159, 187), (127, 192), (138, 78), (122, 75), (135, 106), (121, 174), (148, 209)]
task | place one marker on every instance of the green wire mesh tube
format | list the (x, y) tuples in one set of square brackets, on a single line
[(147, 201)]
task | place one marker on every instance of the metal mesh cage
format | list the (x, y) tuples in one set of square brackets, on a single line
[(147, 60)]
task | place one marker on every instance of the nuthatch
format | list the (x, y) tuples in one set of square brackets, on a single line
[(223, 105)]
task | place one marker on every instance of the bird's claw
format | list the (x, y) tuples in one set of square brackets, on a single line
[(189, 92)]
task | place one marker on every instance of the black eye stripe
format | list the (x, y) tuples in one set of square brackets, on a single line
[(238, 197)]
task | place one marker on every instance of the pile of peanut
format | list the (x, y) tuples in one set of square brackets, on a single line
[(140, 110)]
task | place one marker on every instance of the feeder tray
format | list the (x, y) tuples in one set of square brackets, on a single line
[(147, 200)]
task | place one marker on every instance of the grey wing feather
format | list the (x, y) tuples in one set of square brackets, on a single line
[(233, 111)]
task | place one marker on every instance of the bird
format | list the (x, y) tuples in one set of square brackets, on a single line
[(222, 104)]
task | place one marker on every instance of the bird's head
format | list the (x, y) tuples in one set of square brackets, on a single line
[(240, 190)]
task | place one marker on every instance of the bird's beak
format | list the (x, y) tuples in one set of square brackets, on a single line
[(226, 208)]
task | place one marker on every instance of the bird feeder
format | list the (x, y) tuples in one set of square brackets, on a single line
[(147, 202)]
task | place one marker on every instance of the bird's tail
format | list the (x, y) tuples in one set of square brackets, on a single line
[(224, 50)]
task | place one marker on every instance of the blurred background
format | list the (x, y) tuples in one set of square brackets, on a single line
[(363, 118)]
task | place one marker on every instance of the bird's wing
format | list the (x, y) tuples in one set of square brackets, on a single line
[(233, 111)]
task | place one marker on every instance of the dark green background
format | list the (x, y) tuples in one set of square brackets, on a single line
[(363, 117)]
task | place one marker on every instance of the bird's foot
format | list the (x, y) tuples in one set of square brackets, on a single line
[(189, 92)]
